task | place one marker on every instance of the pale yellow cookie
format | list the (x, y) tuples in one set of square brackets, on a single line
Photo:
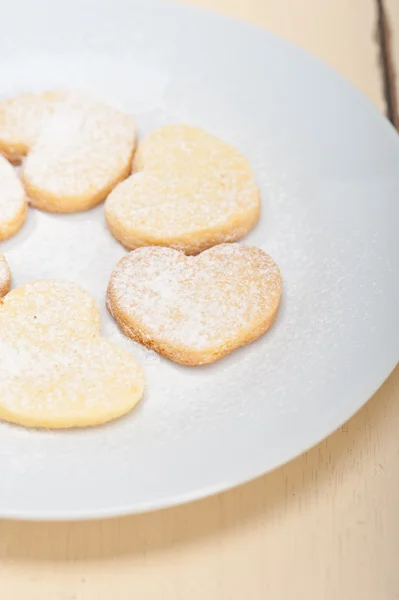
[(195, 310), (13, 205), (5, 277), (56, 371), (83, 149), (21, 119), (189, 191)]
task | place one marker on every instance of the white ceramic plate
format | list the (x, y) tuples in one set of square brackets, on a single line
[(328, 167)]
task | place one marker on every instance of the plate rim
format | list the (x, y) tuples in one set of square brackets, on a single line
[(198, 494)]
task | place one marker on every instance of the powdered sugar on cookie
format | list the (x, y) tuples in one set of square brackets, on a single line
[(195, 309), (190, 191), (83, 149), (13, 205), (21, 119), (5, 276), (55, 369)]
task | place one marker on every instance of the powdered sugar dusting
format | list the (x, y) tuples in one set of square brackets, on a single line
[(5, 276), (195, 302), (21, 119), (55, 369), (82, 148), (12, 195), (190, 191)]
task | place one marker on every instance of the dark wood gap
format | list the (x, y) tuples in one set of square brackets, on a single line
[(384, 36)]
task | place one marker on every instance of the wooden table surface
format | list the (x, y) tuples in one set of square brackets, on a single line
[(326, 526)]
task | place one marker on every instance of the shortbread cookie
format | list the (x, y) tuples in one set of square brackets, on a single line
[(195, 310), (83, 149), (189, 191), (55, 369), (5, 276), (13, 205), (21, 119)]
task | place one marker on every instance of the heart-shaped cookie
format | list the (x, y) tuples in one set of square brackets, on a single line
[(13, 204), (21, 119), (56, 370), (77, 148), (195, 310), (190, 191), (5, 277)]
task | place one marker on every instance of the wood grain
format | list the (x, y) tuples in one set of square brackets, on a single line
[(390, 11), (324, 527), (343, 33), (328, 520)]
